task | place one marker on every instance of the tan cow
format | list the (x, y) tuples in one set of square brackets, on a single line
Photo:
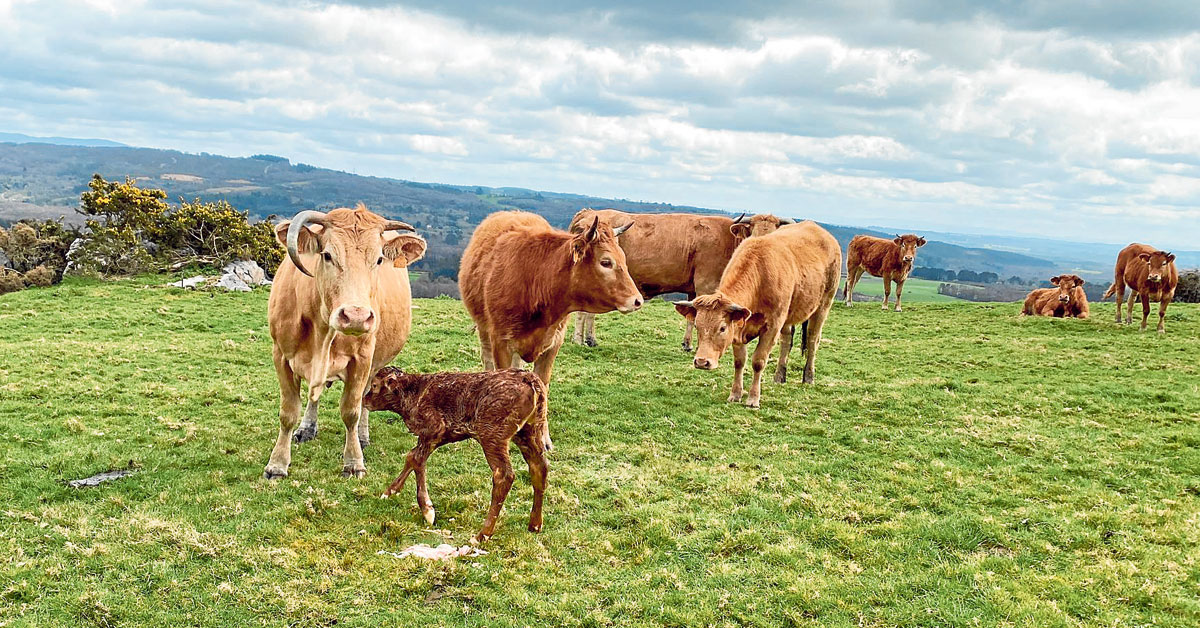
[(672, 253), (520, 278), (1066, 300), (891, 259), (340, 309), (771, 284), (1151, 274)]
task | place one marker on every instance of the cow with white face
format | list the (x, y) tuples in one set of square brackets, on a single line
[(340, 309)]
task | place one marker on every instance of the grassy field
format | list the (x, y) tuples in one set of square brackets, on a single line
[(954, 465), (915, 290)]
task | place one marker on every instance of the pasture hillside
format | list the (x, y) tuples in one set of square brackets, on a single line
[(954, 465)]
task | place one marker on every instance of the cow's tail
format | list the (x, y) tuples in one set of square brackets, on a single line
[(540, 418), (1112, 289), (803, 336)]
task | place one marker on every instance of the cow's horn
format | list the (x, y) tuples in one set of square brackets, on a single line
[(684, 303), (293, 235), (396, 225), (734, 307), (740, 219), (786, 221), (619, 230)]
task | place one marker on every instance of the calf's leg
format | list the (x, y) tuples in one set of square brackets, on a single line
[(1145, 310), (1162, 314), (528, 441), (887, 291), (496, 452), (786, 338), (762, 351), (739, 367), (899, 291), (289, 413)]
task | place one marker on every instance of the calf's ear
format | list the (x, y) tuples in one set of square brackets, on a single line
[(403, 248), (686, 309), (308, 242)]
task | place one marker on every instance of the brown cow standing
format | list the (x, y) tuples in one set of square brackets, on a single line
[(520, 279), (771, 284), (340, 308), (890, 259), (1152, 276), (1066, 299), (494, 408), (672, 253)]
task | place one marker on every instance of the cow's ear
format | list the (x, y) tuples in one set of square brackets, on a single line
[(403, 248), (920, 241), (1078, 280), (1055, 280), (898, 240), (309, 240), (756, 320), (1170, 257), (1145, 257), (740, 230), (686, 309), (738, 313)]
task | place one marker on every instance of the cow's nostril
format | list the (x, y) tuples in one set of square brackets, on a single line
[(637, 302)]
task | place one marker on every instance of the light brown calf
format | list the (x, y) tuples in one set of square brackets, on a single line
[(494, 408), (1152, 276), (1066, 299), (771, 283), (890, 259)]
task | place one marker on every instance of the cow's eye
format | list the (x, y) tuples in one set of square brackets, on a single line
[(607, 263), (722, 329), (379, 262), (327, 256)]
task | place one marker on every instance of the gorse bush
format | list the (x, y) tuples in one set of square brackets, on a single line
[(215, 233), (30, 244)]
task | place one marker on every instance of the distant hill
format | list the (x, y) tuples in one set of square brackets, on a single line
[(21, 138), (45, 180)]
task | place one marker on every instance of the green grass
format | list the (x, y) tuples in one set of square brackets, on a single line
[(915, 290), (954, 465)]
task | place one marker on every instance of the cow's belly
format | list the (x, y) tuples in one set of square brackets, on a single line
[(532, 345)]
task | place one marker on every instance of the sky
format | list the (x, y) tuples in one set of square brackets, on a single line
[(1067, 119)]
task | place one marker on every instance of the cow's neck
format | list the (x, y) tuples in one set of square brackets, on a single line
[(550, 297), (902, 268)]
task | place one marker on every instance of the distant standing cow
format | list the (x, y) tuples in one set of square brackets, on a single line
[(1152, 276), (340, 309), (1065, 300), (771, 284), (672, 253), (890, 259), (520, 278)]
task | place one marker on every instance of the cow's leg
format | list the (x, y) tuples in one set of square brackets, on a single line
[(351, 410), (1162, 314), (1134, 296), (762, 351), (289, 413), (501, 356), (308, 425), (786, 338), (812, 341), (528, 442), (852, 277), (545, 362), (687, 336), (1145, 310), (364, 429), (496, 452), (1119, 292), (887, 291), (739, 366), (580, 323), (590, 332), (899, 290), (486, 351)]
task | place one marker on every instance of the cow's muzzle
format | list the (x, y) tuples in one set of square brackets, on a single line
[(632, 305), (1156, 278), (704, 364), (1064, 298), (353, 320), (907, 259)]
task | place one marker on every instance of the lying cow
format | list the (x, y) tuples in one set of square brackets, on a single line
[(340, 308), (520, 278), (1152, 276), (493, 408), (672, 253), (891, 259), (771, 284), (1065, 300)]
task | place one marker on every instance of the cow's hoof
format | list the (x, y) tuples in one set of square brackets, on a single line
[(752, 403), (274, 473), (780, 377), (686, 347), (735, 397), (478, 539), (898, 309), (885, 308), (535, 527), (305, 434), (429, 516), (354, 472), (591, 342)]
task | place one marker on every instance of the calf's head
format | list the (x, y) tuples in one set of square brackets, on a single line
[(1066, 286), (387, 380), (719, 322), (757, 225), (908, 244), (600, 278), (343, 251), (1157, 264)]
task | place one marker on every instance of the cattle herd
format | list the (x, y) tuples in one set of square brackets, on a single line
[(341, 309)]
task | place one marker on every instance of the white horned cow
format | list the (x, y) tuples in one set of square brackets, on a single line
[(340, 309)]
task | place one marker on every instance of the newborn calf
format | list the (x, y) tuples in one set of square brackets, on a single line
[(493, 408)]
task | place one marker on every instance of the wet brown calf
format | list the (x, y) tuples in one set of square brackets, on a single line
[(493, 408), (1066, 299), (1151, 274), (890, 259)]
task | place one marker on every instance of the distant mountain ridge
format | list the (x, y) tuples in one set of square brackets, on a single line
[(45, 180), (21, 138)]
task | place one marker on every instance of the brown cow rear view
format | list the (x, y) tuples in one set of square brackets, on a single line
[(890, 259), (771, 284), (1066, 299), (672, 253), (493, 408), (1151, 274)]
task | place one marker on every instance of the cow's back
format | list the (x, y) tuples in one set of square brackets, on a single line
[(869, 252), (798, 265), (666, 252), (480, 256)]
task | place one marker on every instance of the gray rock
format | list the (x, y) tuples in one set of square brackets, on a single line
[(248, 271), (232, 283), (4, 261), (71, 252), (190, 282)]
